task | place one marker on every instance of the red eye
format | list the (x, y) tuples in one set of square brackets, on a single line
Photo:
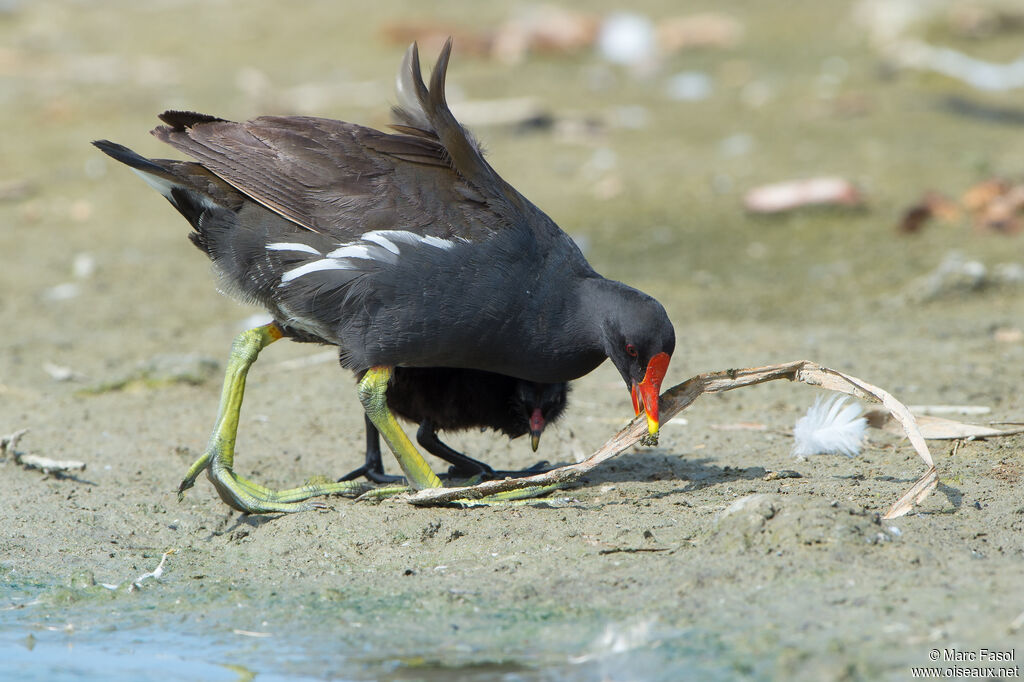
[(631, 350)]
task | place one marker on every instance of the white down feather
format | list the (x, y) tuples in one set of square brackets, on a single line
[(830, 427)]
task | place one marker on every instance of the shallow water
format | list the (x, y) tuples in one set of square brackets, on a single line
[(141, 637)]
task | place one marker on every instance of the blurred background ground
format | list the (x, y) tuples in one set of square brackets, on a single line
[(640, 129)]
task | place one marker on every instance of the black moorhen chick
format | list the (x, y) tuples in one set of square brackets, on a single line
[(452, 399), (402, 249)]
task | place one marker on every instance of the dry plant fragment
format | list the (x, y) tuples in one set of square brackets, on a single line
[(44, 464), (792, 194), (49, 466), (551, 29), (136, 584), (939, 428), (931, 205), (696, 31), (8, 442), (1003, 212), (679, 397)]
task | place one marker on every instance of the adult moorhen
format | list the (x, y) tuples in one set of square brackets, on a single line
[(402, 249), (454, 399)]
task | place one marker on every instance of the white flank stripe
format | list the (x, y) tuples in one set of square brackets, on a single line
[(412, 238), (401, 235), (292, 246), (315, 266), (438, 242), (377, 237), (351, 251)]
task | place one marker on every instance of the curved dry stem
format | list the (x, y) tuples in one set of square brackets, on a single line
[(679, 397)]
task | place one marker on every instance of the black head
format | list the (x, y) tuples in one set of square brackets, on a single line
[(639, 339), (538, 405)]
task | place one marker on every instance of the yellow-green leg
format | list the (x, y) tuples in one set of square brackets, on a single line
[(218, 460), (372, 394)]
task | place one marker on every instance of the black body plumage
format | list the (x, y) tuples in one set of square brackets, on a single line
[(458, 399), (401, 249), (452, 399)]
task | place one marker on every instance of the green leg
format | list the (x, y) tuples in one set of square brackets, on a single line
[(372, 394), (218, 460)]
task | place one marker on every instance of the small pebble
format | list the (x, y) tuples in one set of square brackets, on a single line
[(627, 38), (83, 266), (689, 86), (785, 473), (62, 292)]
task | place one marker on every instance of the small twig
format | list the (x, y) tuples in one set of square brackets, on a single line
[(49, 466), (155, 573), (137, 583), (8, 442), (61, 373), (44, 464)]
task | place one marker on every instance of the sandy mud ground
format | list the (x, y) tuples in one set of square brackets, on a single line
[(690, 559)]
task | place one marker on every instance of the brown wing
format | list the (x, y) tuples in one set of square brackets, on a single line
[(343, 180)]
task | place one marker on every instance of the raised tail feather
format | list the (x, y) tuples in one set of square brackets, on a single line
[(424, 112)]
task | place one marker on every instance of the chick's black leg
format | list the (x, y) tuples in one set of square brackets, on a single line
[(373, 466), (462, 465)]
